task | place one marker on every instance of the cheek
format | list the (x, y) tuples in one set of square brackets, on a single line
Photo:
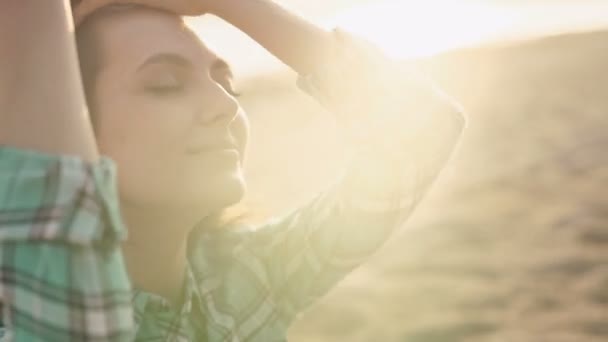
[(110, 127), (143, 150), (131, 123), (138, 137)]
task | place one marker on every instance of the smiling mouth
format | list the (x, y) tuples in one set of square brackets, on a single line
[(222, 145), (217, 149)]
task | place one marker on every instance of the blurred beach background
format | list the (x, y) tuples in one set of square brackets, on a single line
[(512, 242)]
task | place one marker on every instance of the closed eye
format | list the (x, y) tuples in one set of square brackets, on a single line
[(165, 74), (164, 83), (163, 90)]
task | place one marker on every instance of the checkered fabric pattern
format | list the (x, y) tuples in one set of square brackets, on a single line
[(62, 277)]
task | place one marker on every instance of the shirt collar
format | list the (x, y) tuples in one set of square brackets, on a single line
[(146, 302)]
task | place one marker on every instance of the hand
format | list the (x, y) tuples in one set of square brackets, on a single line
[(83, 8)]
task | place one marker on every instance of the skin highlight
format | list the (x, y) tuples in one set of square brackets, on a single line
[(158, 96)]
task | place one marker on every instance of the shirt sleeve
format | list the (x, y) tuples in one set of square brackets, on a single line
[(407, 134), (62, 275)]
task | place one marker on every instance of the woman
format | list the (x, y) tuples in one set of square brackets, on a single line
[(164, 113)]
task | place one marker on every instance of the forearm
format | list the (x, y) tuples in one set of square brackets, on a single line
[(400, 126), (297, 42), (42, 105), (396, 168)]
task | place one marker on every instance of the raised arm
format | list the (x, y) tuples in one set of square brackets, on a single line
[(62, 275), (42, 104), (402, 131), (294, 40)]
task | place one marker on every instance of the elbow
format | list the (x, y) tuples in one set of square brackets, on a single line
[(459, 120)]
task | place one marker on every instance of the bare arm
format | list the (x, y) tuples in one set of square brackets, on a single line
[(42, 105), (403, 133), (297, 42), (59, 219)]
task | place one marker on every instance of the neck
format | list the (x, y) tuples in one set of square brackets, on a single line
[(155, 252)]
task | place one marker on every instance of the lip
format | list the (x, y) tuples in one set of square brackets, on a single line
[(222, 146)]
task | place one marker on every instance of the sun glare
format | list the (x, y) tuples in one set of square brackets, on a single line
[(421, 28), (414, 28)]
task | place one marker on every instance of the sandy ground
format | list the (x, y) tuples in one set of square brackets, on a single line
[(511, 244)]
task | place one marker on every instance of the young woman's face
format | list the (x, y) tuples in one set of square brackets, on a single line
[(165, 114)]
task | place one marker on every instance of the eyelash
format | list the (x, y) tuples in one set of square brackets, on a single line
[(164, 90), (168, 90)]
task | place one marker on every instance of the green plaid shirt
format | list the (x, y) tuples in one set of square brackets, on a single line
[(62, 275)]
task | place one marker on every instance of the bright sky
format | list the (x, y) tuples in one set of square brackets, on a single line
[(412, 28)]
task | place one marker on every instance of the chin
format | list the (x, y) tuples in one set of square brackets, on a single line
[(220, 192)]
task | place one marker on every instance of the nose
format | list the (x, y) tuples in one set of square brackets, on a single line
[(217, 107)]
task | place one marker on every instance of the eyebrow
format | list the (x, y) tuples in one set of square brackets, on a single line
[(171, 58), (167, 58)]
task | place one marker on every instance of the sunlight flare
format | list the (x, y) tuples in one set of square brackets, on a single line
[(408, 29)]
